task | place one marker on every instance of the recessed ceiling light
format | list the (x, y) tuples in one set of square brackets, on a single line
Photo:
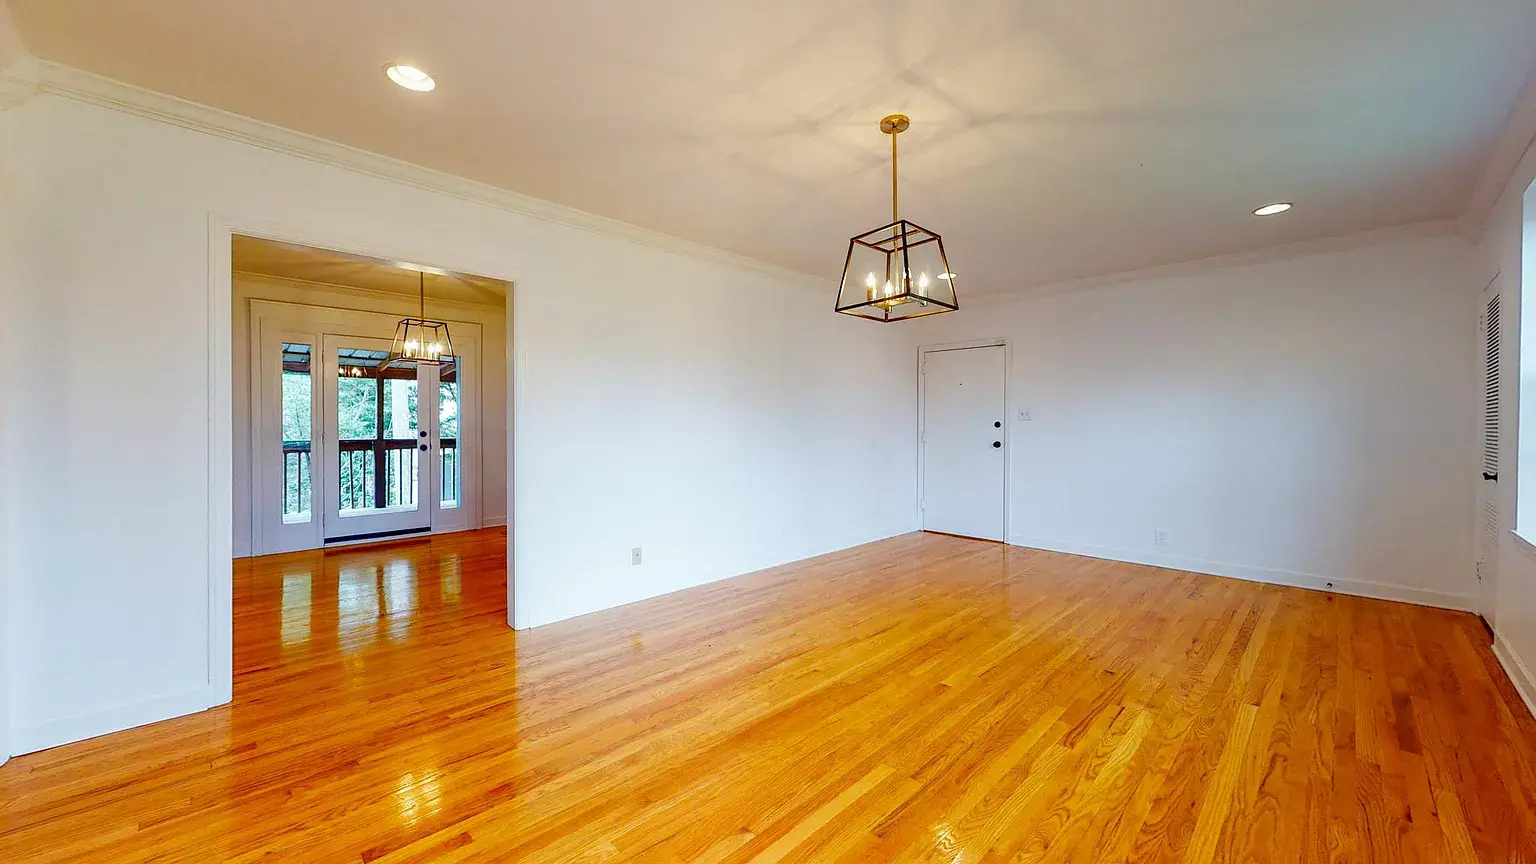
[(409, 77), (1273, 209)]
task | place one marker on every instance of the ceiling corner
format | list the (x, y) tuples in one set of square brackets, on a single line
[(12, 47), (1514, 141)]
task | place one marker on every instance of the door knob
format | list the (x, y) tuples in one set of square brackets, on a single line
[(423, 433), (997, 424), (997, 443), (423, 448)]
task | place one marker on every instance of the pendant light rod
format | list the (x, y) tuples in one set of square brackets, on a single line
[(895, 125), (910, 256), (423, 282)]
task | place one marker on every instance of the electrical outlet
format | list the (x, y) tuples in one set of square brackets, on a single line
[(634, 557), (1160, 537)]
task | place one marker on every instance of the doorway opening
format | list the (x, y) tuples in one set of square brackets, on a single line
[(370, 508), (333, 444)]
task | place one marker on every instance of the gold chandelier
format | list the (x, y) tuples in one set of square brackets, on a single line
[(897, 271), (421, 341)]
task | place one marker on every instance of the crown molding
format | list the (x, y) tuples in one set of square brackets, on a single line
[(13, 92), (47, 77), (1197, 266), (1515, 140)]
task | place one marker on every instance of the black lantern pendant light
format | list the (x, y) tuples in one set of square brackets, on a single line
[(420, 341), (897, 271)]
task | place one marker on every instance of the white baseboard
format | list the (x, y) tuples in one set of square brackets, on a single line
[(526, 619), (1519, 674), (1354, 587), (67, 730)]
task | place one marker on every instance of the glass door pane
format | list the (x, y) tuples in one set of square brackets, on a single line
[(379, 442), (357, 427), (287, 425), (297, 408), (450, 450), (377, 433), (402, 438)]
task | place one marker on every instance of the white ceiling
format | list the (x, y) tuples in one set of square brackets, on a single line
[(1051, 139)]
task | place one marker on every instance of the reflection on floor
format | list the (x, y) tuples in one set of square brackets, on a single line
[(925, 698), (347, 601), (338, 657)]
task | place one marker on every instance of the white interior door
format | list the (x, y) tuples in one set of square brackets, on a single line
[(964, 449), (1490, 337), (377, 442)]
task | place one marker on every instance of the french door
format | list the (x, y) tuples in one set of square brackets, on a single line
[(349, 450), (376, 441)]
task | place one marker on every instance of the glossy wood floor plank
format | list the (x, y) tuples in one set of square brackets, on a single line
[(924, 699)]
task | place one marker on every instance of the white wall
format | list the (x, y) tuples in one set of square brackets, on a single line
[(1500, 251), (492, 320), (1301, 421), (722, 419), (10, 224), (12, 206), (782, 429)]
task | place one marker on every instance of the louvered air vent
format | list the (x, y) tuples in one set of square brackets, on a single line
[(1491, 393)]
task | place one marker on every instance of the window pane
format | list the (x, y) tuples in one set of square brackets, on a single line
[(448, 433), (298, 407)]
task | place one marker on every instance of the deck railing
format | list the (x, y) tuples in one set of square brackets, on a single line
[(297, 478), (448, 463), (377, 474), (372, 473)]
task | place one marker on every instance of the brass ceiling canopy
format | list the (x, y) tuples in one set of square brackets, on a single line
[(897, 271)]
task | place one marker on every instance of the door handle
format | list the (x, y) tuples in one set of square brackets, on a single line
[(1493, 477), (423, 448), (997, 443)]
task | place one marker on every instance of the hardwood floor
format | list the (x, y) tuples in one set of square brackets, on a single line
[(925, 698)]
